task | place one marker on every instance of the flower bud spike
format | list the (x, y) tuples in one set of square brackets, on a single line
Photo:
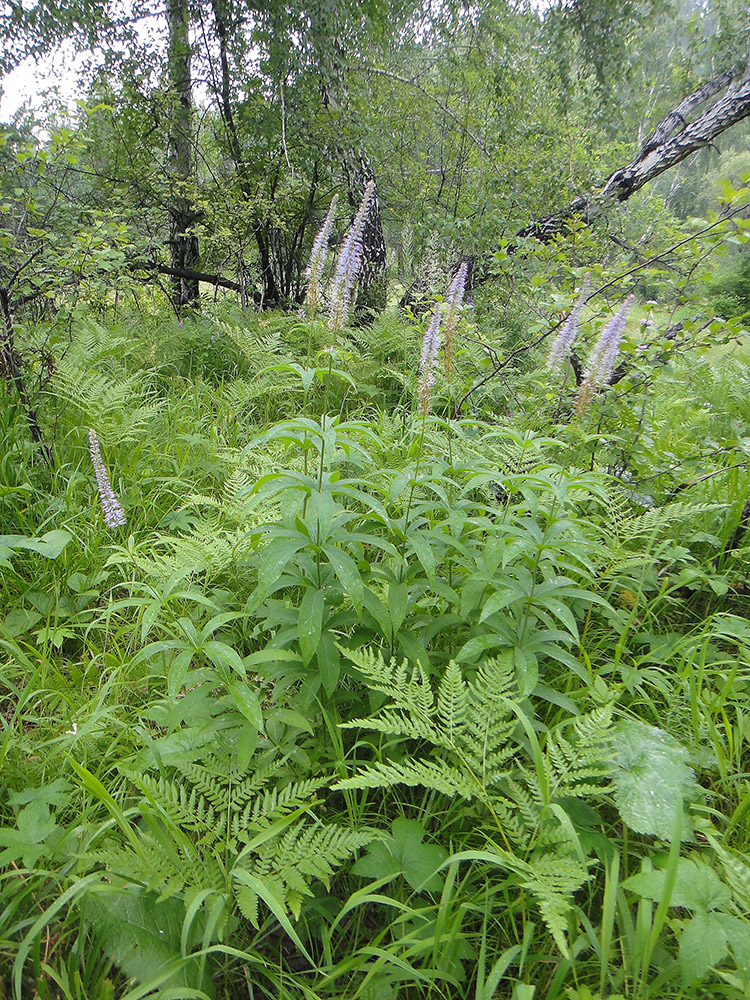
[(349, 264), (430, 347), (114, 515), (453, 303), (563, 342), (602, 359), (317, 264)]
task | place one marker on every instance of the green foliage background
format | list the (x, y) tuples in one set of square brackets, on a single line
[(370, 699)]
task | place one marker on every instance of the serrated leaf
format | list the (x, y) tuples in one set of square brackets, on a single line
[(696, 887), (702, 945)]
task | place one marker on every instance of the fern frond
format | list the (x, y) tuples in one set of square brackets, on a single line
[(398, 722), (452, 701), (183, 807), (271, 804), (408, 686), (435, 774)]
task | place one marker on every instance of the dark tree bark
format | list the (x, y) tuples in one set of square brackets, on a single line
[(10, 370), (358, 172), (182, 216), (672, 141), (270, 289)]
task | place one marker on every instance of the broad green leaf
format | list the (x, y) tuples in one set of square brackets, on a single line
[(274, 558), (737, 932), (329, 662), (398, 600), (35, 824), (703, 944), (178, 669), (527, 671), (142, 934), (310, 622), (319, 515), (56, 793), (222, 655), (696, 887), (20, 620), (347, 573), (50, 545), (651, 777), (247, 703), (404, 853)]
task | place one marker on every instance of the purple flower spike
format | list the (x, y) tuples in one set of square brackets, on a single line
[(453, 303), (430, 347), (563, 342), (317, 263), (114, 515), (349, 264), (604, 355)]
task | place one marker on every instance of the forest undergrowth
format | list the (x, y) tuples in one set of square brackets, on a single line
[(349, 692)]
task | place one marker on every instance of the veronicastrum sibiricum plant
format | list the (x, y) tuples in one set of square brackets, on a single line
[(453, 303), (114, 515), (603, 356), (563, 342), (349, 264), (314, 297), (430, 348)]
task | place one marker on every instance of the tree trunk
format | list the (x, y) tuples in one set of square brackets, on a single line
[(270, 290), (674, 139), (182, 216), (10, 370)]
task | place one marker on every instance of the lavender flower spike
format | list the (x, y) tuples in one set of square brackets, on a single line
[(563, 342), (348, 264), (453, 302), (318, 260), (603, 356), (430, 347), (114, 515)]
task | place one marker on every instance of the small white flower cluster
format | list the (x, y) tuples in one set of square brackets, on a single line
[(114, 515), (317, 263), (348, 264)]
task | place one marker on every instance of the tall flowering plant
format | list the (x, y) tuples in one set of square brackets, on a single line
[(349, 264), (453, 303), (563, 342), (314, 297), (114, 515), (602, 359), (430, 348)]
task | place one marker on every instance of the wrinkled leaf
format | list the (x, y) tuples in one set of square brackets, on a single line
[(651, 777), (142, 935)]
